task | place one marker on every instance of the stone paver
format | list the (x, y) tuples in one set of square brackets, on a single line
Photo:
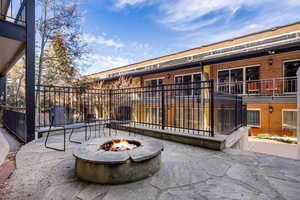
[(187, 172)]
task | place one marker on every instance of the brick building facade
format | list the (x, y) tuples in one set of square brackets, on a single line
[(260, 67)]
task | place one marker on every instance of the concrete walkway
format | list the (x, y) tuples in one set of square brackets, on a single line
[(187, 173), (9, 145), (4, 147), (273, 148)]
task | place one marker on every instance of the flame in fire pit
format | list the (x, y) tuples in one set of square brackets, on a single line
[(120, 145)]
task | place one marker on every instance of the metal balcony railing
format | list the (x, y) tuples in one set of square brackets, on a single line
[(264, 87), (13, 11)]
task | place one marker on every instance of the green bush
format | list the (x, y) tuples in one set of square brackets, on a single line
[(286, 139)]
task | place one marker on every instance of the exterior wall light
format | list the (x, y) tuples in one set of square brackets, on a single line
[(270, 61), (270, 109)]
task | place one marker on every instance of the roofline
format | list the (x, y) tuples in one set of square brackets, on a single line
[(230, 58), (228, 40)]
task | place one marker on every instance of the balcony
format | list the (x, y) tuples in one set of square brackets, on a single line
[(13, 11), (12, 34), (284, 86)]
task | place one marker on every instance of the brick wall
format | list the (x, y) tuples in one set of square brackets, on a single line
[(270, 122)]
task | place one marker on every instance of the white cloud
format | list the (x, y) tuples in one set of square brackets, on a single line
[(96, 63), (260, 22), (293, 2), (192, 15), (189, 10), (194, 26), (188, 15), (102, 40), (124, 3)]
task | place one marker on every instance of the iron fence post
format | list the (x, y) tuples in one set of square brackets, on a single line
[(163, 117), (212, 113), (273, 85), (109, 103), (236, 111)]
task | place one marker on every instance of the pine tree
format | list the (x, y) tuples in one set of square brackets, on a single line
[(59, 66)]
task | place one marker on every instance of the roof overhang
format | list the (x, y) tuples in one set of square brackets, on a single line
[(12, 40), (10, 52), (265, 43), (257, 52)]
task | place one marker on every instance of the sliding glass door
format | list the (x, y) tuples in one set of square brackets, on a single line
[(239, 80), (290, 76)]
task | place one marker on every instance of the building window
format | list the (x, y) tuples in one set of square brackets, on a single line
[(188, 84), (223, 81), (154, 82), (153, 85), (232, 80), (253, 118), (289, 121), (290, 75)]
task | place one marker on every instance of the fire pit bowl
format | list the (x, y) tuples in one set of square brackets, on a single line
[(117, 160)]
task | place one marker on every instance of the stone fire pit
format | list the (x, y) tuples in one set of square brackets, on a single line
[(117, 160)]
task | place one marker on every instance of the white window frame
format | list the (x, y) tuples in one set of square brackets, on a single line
[(255, 109), (192, 74), (150, 79), (244, 75), (287, 110), (286, 61)]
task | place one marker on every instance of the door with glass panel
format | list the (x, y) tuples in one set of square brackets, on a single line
[(223, 81), (252, 80), (290, 76), (236, 85)]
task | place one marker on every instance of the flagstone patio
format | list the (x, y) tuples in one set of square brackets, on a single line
[(187, 172)]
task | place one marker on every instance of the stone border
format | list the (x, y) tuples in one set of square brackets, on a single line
[(100, 166), (215, 143), (89, 151)]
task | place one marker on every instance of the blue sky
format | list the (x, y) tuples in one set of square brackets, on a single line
[(121, 32)]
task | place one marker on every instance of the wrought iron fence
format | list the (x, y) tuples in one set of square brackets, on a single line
[(192, 108), (14, 120), (263, 87), (229, 113), (80, 103), (176, 107), (13, 11)]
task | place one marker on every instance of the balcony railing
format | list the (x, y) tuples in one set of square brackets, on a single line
[(264, 87), (13, 11)]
